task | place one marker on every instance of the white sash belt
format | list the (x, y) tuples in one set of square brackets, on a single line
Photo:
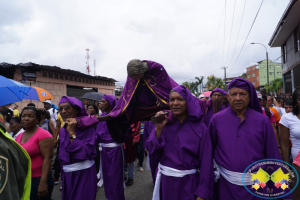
[(168, 171), (78, 166), (233, 177), (108, 145)]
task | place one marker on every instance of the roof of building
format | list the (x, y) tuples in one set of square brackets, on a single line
[(36, 67), (286, 25)]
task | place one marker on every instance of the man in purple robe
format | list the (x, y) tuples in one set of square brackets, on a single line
[(77, 153), (111, 172), (240, 136), (214, 105), (183, 145), (152, 160)]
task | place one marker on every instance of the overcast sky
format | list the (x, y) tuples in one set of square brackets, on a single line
[(182, 35)]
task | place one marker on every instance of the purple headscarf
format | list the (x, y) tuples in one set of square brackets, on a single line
[(223, 92), (111, 100), (76, 103), (192, 104), (248, 86)]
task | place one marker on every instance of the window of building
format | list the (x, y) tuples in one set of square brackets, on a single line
[(278, 66), (257, 67), (271, 73), (278, 72), (253, 75), (253, 82), (253, 68), (284, 52), (248, 69), (248, 75), (271, 66), (296, 39)]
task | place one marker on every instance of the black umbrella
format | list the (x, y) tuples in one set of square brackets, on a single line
[(96, 96)]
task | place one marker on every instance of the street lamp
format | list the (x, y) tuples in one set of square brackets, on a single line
[(267, 60)]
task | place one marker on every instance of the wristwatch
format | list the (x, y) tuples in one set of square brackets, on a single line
[(72, 136)]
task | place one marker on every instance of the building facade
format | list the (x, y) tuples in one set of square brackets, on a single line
[(59, 82), (287, 36), (252, 74), (275, 71)]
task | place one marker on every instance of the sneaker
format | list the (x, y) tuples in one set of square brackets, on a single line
[(141, 169), (129, 182), (56, 181)]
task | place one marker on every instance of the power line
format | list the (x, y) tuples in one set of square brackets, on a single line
[(247, 36), (230, 31), (216, 38), (238, 33)]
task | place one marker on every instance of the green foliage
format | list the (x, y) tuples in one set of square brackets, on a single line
[(194, 87), (214, 82), (276, 85), (244, 76)]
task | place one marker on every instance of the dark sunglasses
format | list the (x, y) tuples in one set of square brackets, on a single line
[(64, 107)]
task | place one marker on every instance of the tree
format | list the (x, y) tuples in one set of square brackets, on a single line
[(275, 86), (214, 82), (244, 76), (194, 87)]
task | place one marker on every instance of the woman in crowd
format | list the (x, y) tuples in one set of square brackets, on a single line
[(7, 115), (15, 127), (46, 122), (92, 109), (76, 154), (290, 127), (39, 145)]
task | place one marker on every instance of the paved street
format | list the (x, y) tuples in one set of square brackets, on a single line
[(140, 190)]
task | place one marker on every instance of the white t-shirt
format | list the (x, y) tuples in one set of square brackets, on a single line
[(278, 110), (283, 111), (53, 115), (292, 122), (18, 133)]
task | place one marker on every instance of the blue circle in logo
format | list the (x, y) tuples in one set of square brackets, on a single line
[(44, 94), (267, 197)]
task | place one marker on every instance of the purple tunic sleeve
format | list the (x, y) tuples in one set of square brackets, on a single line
[(82, 148), (206, 169), (153, 144)]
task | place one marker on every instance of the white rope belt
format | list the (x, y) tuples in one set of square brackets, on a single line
[(78, 166), (100, 173), (168, 171), (232, 177)]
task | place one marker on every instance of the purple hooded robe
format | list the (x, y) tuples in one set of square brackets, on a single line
[(153, 159), (112, 159), (238, 144), (210, 110), (185, 146), (80, 184)]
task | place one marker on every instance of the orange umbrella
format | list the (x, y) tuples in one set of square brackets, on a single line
[(38, 94)]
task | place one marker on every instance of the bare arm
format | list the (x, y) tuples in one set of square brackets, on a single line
[(284, 138), (46, 148), (276, 135), (52, 128), (56, 133)]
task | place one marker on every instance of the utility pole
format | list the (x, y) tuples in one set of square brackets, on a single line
[(224, 77), (87, 62)]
